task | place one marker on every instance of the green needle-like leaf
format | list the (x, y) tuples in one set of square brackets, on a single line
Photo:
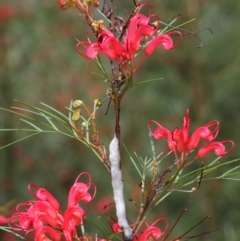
[(55, 111), (31, 124), (51, 123), (133, 161), (21, 139)]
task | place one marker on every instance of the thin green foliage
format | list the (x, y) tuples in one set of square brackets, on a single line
[(51, 123), (147, 81), (196, 176)]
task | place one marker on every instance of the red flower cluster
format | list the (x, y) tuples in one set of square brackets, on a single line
[(44, 218), (180, 142), (139, 31), (150, 233)]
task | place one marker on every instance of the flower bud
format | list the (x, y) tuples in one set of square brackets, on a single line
[(98, 102), (77, 103), (76, 115), (84, 124)]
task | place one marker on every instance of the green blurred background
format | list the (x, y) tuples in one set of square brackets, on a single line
[(38, 63)]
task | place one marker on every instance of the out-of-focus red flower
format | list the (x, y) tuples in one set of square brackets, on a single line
[(104, 205), (7, 11), (3, 219)]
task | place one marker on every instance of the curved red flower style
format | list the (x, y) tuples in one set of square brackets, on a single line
[(181, 143), (43, 216), (218, 148), (43, 195)]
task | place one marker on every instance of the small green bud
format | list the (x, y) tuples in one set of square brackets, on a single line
[(98, 102), (84, 124), (76, 115), (77, 103)]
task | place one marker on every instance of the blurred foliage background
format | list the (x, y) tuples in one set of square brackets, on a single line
[(38, 63)]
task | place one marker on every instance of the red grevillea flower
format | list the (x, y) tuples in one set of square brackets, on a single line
[(114, 225), (43, 216), (79, 191), (139, 30), (180, 142), (153, 232)]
